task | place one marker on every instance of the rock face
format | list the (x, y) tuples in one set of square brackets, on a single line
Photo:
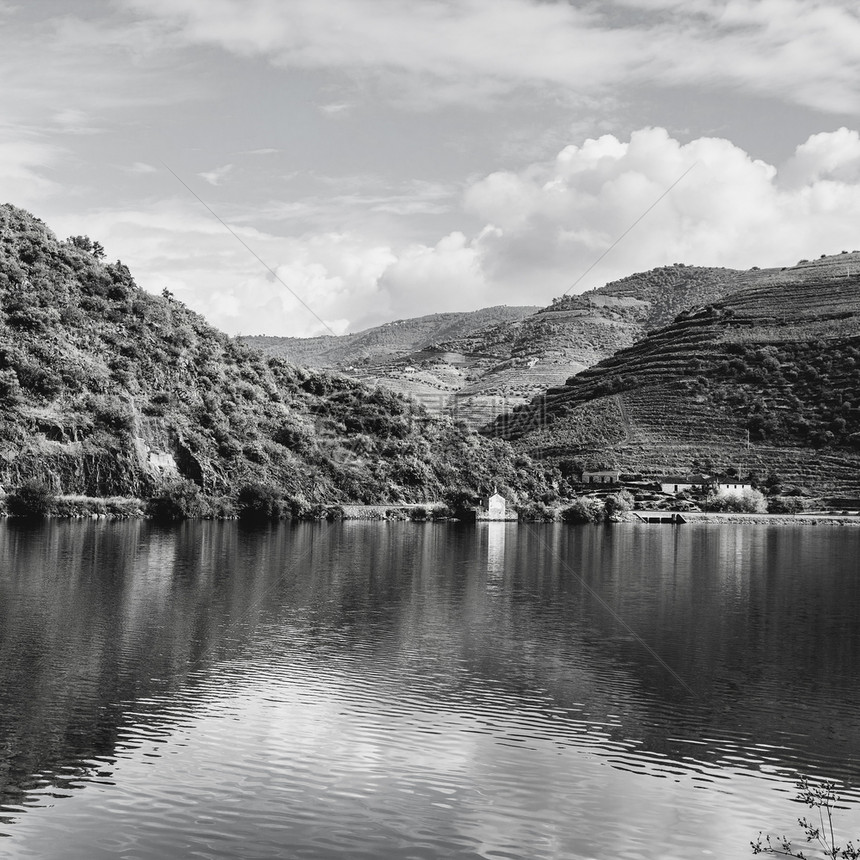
[(106, 390), (765, 380)]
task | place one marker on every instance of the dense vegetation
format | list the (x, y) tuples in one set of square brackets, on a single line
[(767, 378), (107, 390)]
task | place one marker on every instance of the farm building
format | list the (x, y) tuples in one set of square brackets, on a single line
[(672, 484), (601, 476), (728, 485)]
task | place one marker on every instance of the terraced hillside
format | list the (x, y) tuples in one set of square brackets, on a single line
[(478, 366), (399, 338), (767, 380)]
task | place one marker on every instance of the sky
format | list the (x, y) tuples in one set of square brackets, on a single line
[(306, 167)]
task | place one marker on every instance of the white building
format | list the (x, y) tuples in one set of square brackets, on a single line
[(672, 484), (730, 486), (494, 508)]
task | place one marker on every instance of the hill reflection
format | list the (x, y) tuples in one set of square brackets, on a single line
[(115, 635)]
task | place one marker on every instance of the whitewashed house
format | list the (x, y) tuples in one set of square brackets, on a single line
[(731, 486), (494, 509), (673, 484)]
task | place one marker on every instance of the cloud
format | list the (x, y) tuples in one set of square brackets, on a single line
[(334, 109), (142, 167), (25, 166), (834, 155), (537, 230), (216, 175), (802, 51), (553, 219)]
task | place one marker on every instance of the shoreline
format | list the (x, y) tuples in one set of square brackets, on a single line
[(117, 508), (774, 519)]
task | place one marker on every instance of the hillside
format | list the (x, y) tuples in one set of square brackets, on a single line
[(766, 380), (108, 390), (493, 364), (398, 338)]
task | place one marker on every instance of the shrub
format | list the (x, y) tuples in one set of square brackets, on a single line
[(537, 512), (617, 504), (583, 510), (258, 503), (747, 502), (177, 501), (32, 500), (784, 505)]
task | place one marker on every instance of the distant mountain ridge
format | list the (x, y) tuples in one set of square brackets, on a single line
[(492, 365), (397, 338)]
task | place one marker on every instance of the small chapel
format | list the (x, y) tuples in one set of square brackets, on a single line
[(494, 509)]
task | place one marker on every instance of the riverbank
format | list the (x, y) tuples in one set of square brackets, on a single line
[(124, 508), (808, 519)]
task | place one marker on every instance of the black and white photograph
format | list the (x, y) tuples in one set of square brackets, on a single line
[(429, 429)]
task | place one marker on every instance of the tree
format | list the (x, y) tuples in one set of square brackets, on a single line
[(583, 510), (32, 500), (258, 503), (177, 501), (617, 504), (84, 243)]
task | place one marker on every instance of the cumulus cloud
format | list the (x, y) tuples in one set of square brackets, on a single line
[(834, 155), (800, 50), (539, 228), (555, 218)]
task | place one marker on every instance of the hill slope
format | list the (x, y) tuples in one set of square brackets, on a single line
[(765, 380), (398, 338), (108, 390), (493, 364)]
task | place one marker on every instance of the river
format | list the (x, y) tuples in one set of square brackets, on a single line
[(405, 690)]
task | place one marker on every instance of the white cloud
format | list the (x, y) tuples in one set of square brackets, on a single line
[(334, 109), (834, 155), (142, 167), (25, 166), (538, 228), (802, 51), (217, 175), (555, 218)]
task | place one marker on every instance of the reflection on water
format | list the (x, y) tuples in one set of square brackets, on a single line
[(405, 690), (495, 533)]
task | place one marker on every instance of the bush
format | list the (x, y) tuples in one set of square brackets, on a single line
[(583, 510), (784, 505), (537, 512), (258, 503), (178, 501), (617, 504), (747, 502), (33, 500)]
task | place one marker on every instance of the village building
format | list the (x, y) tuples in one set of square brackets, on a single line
[(601, 476), (494, 508), (673, 484), (730, 485)]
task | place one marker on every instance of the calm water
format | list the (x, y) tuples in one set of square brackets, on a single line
[(365, 690)]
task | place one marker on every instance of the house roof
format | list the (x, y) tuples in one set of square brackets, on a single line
[(684, 479)]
